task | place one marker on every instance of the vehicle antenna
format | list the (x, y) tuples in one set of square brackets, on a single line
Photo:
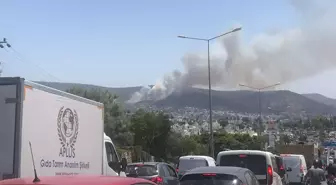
[(36, 179)]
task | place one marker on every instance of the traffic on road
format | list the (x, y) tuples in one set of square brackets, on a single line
[(231, 167), (234, 167)]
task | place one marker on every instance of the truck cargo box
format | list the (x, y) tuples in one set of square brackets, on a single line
[(66, 131), (308, 151)]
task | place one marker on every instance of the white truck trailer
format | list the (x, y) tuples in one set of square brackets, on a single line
[(66, 133)]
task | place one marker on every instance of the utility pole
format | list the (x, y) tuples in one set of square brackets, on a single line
[(4, 43), (1, 68)]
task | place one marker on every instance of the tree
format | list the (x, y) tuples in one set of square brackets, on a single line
[(317, 124), (223, 122), (241, 126), (285, 139), (246, 120), (322, 135), (302, 138), (115, 121), (151, 130), (225, 140)]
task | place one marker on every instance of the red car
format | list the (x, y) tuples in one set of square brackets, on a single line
[(78, 180)]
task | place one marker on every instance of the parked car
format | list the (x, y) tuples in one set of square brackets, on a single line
[(298, 166), (193, 161), (219, 176), (78, 180), (282, 170), (261, 163), (157, 172)]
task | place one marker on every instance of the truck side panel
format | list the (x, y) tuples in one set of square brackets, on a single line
[(10, 126), (306, 150), (66, 134)]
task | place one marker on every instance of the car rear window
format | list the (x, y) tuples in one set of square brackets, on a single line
[(141, 170), (255, 163), (188, 164), (292, 161), (210, 179)]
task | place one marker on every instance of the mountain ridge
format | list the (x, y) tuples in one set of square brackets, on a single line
[(240, 101), (321, 98)]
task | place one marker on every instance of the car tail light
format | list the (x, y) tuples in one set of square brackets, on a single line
[(270, 174), (242, 155), (157, 180), (209, 174), (176, 169)]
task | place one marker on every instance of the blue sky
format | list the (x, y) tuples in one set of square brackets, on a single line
[(122, 43)]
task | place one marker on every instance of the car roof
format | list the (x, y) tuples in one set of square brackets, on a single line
[(258, 152), (77, 180), (268, 155), (197, 157), (146, 163), (291, 155), (229, 170)]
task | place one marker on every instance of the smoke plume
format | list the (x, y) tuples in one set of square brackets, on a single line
[(280, 56)]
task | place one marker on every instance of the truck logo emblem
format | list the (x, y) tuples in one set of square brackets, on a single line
[(67, 129)]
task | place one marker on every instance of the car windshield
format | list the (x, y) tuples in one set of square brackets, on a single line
[(141, 170), (255, 163), (210, 179), (292, 161), (188, 164)]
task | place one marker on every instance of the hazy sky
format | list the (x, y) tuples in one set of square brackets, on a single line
[(128, 43)]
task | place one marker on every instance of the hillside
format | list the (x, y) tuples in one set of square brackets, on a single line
[(322, 99), (124, 93), (247, 101), (241, 101)]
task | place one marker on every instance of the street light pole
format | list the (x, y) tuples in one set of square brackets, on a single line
[(260, 111), (259, 89), (211, 142)]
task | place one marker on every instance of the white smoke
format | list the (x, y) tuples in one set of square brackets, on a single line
[(281, 56)]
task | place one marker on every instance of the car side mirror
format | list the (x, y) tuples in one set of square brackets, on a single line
[(289, 169)]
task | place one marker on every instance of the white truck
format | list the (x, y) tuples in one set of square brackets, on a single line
[(66, 133)]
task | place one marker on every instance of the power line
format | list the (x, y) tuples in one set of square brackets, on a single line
[(20, 57)]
